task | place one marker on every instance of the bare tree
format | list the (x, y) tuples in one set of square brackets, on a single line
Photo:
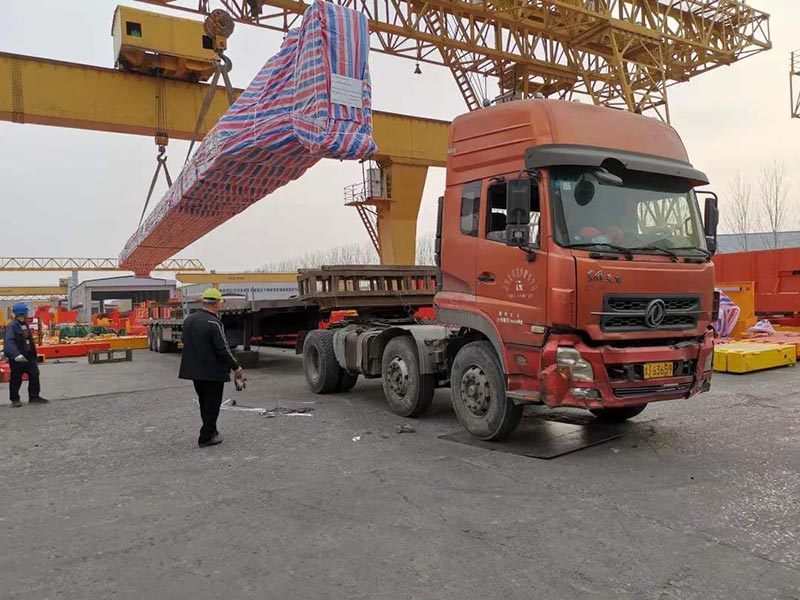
[(426, 250), (349, 254), (740, 216), (774, 190)]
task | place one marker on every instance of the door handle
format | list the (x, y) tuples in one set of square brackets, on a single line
[(486, 277)]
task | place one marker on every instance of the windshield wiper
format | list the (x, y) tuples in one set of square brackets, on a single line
[(702, 251), (626, 252), (669, 253)]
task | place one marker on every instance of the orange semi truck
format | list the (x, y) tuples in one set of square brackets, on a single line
[(574, 270)]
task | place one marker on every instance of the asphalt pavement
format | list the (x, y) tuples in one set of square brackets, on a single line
[(104, 494)]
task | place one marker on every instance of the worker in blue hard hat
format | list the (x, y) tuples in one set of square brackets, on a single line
[(207, 360), (20, 350)]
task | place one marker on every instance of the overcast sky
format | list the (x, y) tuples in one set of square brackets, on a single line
[(80, 193)]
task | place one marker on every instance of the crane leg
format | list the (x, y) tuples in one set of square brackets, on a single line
[(397, 219)]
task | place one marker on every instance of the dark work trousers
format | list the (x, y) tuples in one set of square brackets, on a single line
[(210, 395), (17, 371)]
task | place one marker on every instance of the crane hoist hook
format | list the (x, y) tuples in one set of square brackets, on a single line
[(161, 163)]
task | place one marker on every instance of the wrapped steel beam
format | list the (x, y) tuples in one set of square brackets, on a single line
[(312, 100)]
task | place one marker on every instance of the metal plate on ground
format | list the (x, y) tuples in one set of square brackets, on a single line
[(546, 438)]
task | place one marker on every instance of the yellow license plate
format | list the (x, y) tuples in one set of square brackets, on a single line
[(657, 370)]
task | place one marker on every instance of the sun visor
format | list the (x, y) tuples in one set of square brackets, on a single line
[(591, 156)]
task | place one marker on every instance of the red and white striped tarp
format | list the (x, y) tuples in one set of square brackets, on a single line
[(312, 100)]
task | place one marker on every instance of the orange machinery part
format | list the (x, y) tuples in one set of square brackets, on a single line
[(71, 350), (774, 273)]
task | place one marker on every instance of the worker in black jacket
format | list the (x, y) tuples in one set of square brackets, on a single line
[(207, 360), (19, 348)]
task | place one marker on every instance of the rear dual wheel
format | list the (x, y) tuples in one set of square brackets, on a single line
[(408, 392), (322, 370)]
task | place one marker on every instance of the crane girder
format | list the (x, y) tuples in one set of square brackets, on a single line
[(623, 53), (89, 264)]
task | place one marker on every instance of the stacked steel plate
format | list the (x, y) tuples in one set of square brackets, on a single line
[(310, 101)]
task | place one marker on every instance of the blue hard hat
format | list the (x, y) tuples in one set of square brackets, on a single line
[(20, 308)]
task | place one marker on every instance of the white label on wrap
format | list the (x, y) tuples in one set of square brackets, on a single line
[(346, 91)]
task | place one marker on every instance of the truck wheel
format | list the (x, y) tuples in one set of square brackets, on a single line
[(162, 346), (478, 390), (619, 414), (347, 381), (319, 362), (408, 393)]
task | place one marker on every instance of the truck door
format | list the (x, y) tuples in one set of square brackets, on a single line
[(460, 227), (511, 290)]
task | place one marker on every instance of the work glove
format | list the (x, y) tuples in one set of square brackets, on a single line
[(21, 359), (239, 380)]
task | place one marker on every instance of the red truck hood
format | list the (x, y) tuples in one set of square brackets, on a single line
[(613, 297)]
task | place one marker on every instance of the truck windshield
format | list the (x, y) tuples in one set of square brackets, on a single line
[(648, 213)]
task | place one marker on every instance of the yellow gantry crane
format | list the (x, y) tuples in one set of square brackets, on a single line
[(619, 53), (90, 264)]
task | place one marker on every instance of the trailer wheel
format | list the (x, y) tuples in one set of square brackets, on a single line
[(162, 346), (347, 381), (478, 389), (321, 369), (408, 393), (619, 414)]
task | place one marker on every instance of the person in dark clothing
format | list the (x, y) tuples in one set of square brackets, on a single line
[(207, 360), (20, 350)]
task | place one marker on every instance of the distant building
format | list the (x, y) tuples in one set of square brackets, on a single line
[(93, 295), (735, 242)]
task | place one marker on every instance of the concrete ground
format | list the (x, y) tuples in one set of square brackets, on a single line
[(104, 494)]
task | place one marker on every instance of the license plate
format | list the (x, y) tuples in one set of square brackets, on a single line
[(657, 370)]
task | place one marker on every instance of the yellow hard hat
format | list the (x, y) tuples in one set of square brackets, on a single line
[(212, 294)]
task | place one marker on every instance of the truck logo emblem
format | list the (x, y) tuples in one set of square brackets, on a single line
[(655, 313), (520, 284), (600, 277)]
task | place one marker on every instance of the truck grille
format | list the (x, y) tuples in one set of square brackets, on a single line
[(628, 313), (652, 389)]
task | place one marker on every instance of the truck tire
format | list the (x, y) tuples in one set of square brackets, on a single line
[(408, 393), (162, 346), (617, 415), (478, 389), (347, 381), (320, 366)]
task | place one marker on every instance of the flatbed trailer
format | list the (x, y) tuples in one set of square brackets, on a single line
[(374, 293)]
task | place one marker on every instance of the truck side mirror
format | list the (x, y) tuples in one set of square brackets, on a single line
[(711, 220), (518, 212)]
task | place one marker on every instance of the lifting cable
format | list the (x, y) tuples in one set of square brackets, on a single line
[(162, 139), (221, 67), (218, 26)]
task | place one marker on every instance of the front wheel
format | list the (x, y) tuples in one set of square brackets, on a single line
[(478, 389), (619, 414)]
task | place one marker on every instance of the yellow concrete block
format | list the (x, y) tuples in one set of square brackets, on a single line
[(134, 342), (720, 359), (743, 357)]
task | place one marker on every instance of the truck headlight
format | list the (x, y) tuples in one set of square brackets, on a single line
[(570, 361)]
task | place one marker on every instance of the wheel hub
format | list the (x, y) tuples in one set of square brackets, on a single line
[(475, 391), (397, 376)]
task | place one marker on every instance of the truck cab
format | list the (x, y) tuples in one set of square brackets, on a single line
[(575, 263)]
